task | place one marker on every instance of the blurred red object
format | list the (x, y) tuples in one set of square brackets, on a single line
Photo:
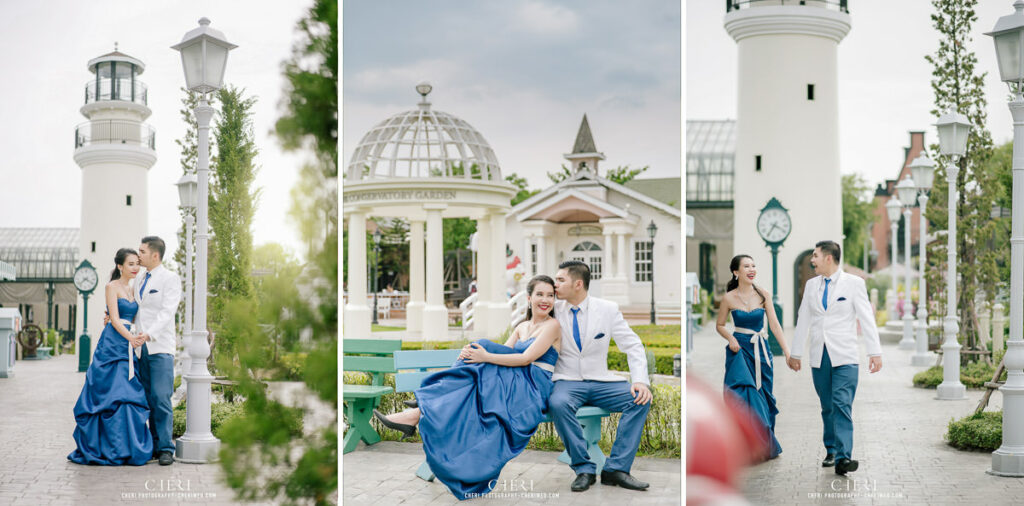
[(722, 437)]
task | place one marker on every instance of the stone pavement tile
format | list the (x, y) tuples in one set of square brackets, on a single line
[(898, 439)]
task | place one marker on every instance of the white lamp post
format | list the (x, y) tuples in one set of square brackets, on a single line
[(892, 209), (188, 188), (204, 54), (923, 170), (953, 129), (907, 193), (1008, 460)]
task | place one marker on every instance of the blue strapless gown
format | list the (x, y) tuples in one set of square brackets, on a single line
[(740, 371), (112, 411), (474, 418)]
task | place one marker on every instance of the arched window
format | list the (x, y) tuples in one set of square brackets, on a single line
[(587, 246)]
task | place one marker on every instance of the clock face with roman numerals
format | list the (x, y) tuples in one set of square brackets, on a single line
[(774, 225)]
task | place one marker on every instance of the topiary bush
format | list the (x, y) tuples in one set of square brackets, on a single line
[(982, 431), (973, 375)]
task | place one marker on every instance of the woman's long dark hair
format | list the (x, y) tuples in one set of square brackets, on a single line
[(540, 278), (734, 283), (119, 259)]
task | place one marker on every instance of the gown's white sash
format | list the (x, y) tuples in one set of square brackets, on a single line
[(546, 366), (760, 342), (131, 351)]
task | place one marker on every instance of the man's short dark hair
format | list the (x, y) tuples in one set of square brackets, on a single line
[(830, 248), (156, 244), (577, 270)]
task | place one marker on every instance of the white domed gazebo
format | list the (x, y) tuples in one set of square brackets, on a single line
[(425, 165)]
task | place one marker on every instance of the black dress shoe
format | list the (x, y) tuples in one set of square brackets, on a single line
[(583, 481), (830, 460), (622, 479), (166, 458), (845, 465), (412, 403), (406, 430)]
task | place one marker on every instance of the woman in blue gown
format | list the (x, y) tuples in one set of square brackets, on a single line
[(112, 410), (748, 358), (481, 413)]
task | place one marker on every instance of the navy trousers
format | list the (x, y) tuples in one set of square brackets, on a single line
[(836, 387), (568, 396), (156, 372)]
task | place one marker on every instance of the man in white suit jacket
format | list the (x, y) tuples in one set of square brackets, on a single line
[(581, 377), (833, 303), (158, 292)]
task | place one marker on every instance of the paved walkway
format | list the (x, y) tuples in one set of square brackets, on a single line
[(36, 427), (385, 473), (898, 439)]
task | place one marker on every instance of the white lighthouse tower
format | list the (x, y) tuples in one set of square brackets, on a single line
[(115, 150), (787, 131)]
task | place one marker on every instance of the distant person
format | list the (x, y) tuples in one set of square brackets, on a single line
[(832, 306), (748, 358)]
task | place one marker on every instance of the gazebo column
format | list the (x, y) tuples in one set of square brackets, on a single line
[(527, 260), (498, 315), (414, 309), (435, 314), (484, 274), (609, 269), (357, 313), (623, 253), (542, 262)]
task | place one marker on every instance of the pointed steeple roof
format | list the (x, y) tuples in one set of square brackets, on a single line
[(584, 139)]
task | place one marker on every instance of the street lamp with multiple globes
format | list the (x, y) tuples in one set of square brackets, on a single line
[(953, 129), (1008, 35), (907, 193), (652, 230), (376, 260), (188, 189), (892, 209), (204, 55), (923, 171)]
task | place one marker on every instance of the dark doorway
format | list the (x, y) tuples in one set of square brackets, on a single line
[(802, 271), (706, 269)]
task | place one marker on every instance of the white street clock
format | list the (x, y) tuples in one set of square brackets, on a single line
[(85, 277), (774, 224)]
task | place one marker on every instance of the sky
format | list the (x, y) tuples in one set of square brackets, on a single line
[(523, 73), (884, 80), (47, 46)]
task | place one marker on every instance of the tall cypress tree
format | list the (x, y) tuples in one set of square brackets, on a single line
[(232, 205), (958, 86)]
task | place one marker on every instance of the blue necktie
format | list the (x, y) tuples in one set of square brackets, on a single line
[(576, 328), (824, 298), (144, 281)]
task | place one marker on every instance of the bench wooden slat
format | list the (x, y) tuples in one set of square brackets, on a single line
[(371, 346), (418, 359), (409, 381), (364, 391), (369, 364)]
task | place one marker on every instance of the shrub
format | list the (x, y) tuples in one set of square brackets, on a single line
[(982, 431), (661, 437), (223, 412), (973, 375), (292, 365)]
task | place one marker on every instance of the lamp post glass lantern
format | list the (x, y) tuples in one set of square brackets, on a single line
[(204, 56), (907, 193), (652, 230), (1008, 459), (953, 129), (923, 171)]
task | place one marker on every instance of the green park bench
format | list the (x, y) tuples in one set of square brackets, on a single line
[(413, 366), (372, 356)]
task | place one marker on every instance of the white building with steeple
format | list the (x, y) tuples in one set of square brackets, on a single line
[(590, 218)]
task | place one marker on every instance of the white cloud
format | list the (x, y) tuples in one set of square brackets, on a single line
[(546, 19)]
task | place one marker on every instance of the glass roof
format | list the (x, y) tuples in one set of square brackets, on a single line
[(714, 137), (40, 253), (710, 156)]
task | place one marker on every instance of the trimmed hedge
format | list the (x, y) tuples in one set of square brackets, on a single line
[(983, 431), (973, 375), (661, 437), (223, 412)]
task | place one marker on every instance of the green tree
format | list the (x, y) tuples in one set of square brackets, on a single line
[(959, 87), (233, 203), (262, 459), (523, 191), (857, 214), (623, 174), (560, 175)]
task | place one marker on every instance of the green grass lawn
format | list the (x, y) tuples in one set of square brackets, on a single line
[(384, 328)]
